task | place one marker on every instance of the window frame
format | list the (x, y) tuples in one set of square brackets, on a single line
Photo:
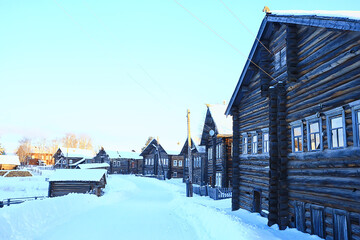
[(294, 125), (254, 134), (355, 108), (263, 132), (245, 145), (175, 163), (180, 163), (329, 116), (310, 120)]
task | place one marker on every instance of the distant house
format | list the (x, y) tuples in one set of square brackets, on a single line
[(217, 139), (296, 117), (71, 157), (40, 157), (9, 162), (120, 161), (65, 181), (155, 160), (177, 166), (198, 155)]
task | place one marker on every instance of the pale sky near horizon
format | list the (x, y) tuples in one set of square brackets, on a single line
[(120, 71)]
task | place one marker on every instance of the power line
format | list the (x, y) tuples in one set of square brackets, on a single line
[(232, 13), (232, 46)]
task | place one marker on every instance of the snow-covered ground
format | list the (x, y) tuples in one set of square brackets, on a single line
[(132, 208)]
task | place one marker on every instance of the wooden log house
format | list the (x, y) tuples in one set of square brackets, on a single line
[(217, 140), (198, 155), (120, 162), (177, 166), (155, 160), (71, 157), (296, 124)]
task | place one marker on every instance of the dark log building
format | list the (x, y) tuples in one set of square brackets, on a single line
[(198, 155), (296, 125), (217, 139)]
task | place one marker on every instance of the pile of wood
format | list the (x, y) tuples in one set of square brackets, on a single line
[(2, 173), (18, 174)]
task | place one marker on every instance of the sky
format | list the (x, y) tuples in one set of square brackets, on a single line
[(121, 71)]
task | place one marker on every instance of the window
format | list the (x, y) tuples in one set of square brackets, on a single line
[(265, 141), (314, 133), (64, 161), (152, 161), (245, 144), (297, 136), (335, 123), (166, 161), (210, 153), (175, 174), (70, 161), (218, 180), (280, 59), (175, 163), (180, 163), (218, 151), (118, 163), (355, 107), (254, 143), (186, 162)]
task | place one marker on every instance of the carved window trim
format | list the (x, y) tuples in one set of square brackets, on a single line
[(330, 115), (254, 143), (265, 143), (280, 59), (245, 144), (311, 120), (355, 112), (300, 139)]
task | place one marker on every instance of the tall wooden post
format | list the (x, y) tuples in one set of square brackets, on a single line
[(189, 155), (235, 161)]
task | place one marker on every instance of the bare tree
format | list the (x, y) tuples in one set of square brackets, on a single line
[(85, 142), (24, 150), (70, 141), (147, 143)]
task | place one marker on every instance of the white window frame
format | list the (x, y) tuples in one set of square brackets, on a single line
[(265, 131), (245, 146), (175, 163), (218, 179), (254, 145), (294, 125), (280, 59), (310, 120), (218, 150), (180, 163), (355, 108), (210, 153), (337, 112)]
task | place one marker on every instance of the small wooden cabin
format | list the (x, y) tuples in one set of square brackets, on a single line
[(65, 181), (155, 160), (217, 140), (71, 157), (296, 118), (177, 166), (198, 155)]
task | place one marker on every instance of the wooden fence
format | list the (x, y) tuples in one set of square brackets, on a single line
[(214, 193), (10, 201)]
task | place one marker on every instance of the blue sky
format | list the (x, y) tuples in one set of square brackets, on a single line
[(120, 71)]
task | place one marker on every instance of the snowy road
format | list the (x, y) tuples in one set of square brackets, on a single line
[(135, 208)]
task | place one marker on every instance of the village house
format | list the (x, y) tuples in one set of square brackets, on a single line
[(217, 140), (296, 124), (39, 156), (177, 166), (198, 155), (9, 162), (156, 161), (120, 161), (71, 157)]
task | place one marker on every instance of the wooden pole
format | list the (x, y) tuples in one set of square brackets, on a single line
[(189, 155)]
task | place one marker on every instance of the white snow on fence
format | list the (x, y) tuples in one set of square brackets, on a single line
[(92, 175)]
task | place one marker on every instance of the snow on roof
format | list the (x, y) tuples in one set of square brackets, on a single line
[(223, 123), (77, 163), (171, 152), (322, 13), (77, 152), (93, 165), (92, 175), (9, 159), (121, 154)]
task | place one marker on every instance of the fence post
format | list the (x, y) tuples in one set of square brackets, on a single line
[(1, 204), (8, 202)]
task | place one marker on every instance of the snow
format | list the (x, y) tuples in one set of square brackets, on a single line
[(77, 175), (135, 208), (338, 14), (223, 123), (9, 159), (93, 165)]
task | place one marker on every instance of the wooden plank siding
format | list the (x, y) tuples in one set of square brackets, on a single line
[(313, 190)]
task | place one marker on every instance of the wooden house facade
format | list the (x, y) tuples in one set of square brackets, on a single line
[(198, 155), (296, 112), (71, 157), (177, 166), (155, 160), (217, 140)]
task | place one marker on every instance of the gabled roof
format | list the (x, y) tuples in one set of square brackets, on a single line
[(9, 159), (77, 152), (92, 175), (341, 20), (195, 147), (151, 147)]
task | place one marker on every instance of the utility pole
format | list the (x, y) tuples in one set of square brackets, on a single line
[(189, 192)]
